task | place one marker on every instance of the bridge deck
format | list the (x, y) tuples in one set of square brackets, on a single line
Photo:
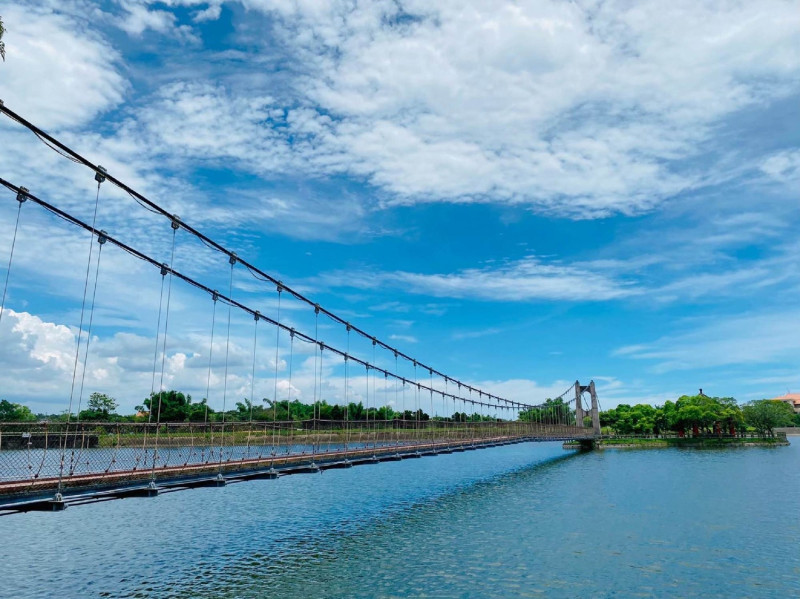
[(84, 470)]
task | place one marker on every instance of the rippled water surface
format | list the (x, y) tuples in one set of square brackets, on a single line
[(527, 520)]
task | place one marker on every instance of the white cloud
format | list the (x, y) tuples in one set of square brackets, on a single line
[(754, 338), (460, 336), (58, 71), (42, 354), (783, 166), (210, 13), (524, 280), (404, 338), (138, 19), (576, 109)]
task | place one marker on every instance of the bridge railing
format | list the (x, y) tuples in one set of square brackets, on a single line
[(58, 454)]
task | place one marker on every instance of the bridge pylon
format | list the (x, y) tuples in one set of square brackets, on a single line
[(595, 409), (580, 412)]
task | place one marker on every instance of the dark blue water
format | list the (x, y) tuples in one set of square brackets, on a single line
[(527, 520)]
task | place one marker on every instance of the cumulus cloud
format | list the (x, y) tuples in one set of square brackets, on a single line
[(577, 108)]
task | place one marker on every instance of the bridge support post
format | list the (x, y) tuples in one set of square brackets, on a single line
[(595, 410), (578, 406)]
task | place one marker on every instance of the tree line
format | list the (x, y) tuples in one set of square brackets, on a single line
[(698, 415), (175, 406), (690, 414)]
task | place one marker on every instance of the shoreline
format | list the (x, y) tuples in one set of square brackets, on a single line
[(699, 443)]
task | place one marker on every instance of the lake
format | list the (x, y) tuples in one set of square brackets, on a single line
[(527, 520)]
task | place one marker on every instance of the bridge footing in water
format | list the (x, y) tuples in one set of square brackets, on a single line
[(44, 505), (337, 465), (310, 469), (390, 458), (217, 481), (150, 490), (270, 474)]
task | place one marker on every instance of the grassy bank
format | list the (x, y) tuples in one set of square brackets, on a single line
[(702, 442)]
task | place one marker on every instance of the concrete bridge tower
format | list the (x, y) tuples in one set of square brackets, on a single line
[(580, 412)]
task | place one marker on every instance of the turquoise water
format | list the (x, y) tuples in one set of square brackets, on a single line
[(527, 520)]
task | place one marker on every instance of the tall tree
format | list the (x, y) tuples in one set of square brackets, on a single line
[(766, 414), (14, 412), (104, 405)]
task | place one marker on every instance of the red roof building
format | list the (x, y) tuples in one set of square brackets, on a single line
[(793, 399)]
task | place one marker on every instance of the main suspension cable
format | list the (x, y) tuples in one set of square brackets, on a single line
[(279, 326), (66, 151)]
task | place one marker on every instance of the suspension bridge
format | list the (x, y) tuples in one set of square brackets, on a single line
[(50, 465)]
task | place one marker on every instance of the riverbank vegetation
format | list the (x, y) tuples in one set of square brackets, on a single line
[(688, 416), (174, 406), (699, 415), (740, 440)]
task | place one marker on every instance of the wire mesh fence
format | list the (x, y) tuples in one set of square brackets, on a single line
[(39, 456)]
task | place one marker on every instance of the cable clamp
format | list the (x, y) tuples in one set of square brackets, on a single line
[(279, 287), (374, 341), (164, 269), (102, 237), (316, 308), (232, 258), (100, 174), (215, 295), (175, 222), (22, 194), (257, 315), (321, 346), (291, 333), (349, 328)]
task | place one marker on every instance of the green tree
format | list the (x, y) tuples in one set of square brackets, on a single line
[(14, 412), (553, 411), (766, 414), (702, 412), (99, 407), (176, 407)]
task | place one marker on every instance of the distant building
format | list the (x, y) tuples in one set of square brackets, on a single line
[(793, 399)]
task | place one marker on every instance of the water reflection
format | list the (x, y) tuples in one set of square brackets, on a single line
[(506, 522)]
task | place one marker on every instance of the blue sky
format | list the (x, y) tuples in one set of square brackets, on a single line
[(519, 193)]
